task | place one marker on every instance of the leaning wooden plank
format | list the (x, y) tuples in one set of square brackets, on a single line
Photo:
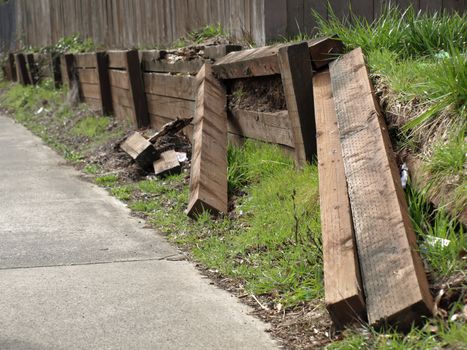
[(393, 276), (56, 71), (296, 75), (22, 70), (140, 149), (263, 61), (208, 180), (167, 164), (342, 285), (272, 127), (217, 51)]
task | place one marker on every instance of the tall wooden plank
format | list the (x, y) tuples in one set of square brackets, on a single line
[(208, 180), (431, 5), (454, 5), (342, 285), (363, 8), (135, 77), (102, 69), (22, 70), (393, 276), (294, 17), (296, 73), (70, 70)]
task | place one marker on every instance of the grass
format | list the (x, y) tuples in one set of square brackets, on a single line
[(107, 180), (91, 126), (438, 335)]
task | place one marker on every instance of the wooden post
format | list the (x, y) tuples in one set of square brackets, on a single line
[(393, 276), (296, 72), (12, 67), (56, 71), (342, 285), (102, 69), (32, 69), (135, 77), (208, 180), (21, 69), (71, 75)]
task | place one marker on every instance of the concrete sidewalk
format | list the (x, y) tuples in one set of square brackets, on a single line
[(78, 272)]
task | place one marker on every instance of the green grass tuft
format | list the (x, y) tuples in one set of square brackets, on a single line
[(207, 32), (107, 180), (91, 126)]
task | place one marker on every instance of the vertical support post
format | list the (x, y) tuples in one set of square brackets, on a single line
[(12, 67), (135, 77), (56, 71), (21, 69), (102, 69), (32, 69), (70, 70), (297, 74)]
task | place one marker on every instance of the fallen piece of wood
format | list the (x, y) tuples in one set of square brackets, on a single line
[(171, 128), (342, 285), (393, 276), (140, 149), (167, 164), (208, 180)]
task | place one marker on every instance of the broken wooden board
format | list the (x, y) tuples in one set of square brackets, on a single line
[(167, 164), (140, 149), (263, 61), (342, 285), (170, 128), (296, 73), (208, 180), (393, 276)]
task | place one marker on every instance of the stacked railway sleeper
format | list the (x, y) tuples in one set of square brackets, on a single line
[(321, 108)]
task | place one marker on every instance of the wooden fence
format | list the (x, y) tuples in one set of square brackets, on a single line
[(150, 23)]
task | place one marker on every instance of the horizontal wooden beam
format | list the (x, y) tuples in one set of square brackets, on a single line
[(263, 61)]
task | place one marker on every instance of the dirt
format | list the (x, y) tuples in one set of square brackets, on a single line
[(262, 94)]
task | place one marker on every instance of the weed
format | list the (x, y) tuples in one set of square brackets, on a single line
[(107, 180), (92, 169), (91, 126), (441, 238), (207, 32), (122, 192)]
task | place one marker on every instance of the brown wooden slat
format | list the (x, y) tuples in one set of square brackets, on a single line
[(119, 78), (121, 97), (208, 179), (102, 71), (343, 292), (88, 76), (181, 86), (393, 276), (296, 73), (117, 59), (85, 60), (163, 66), (135, 77), (263, 61), (170, 107), (262, 126), (90, 90)]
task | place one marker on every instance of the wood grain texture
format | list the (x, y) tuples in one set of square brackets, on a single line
[(163, 66), (32, 69), (22, 70), (119, 78), (342, 285), (263, 61), (208, 179), (135, 77), (180, 86), (90, 90), (393, 276), (296, 73), (88, 76), (103, 80), (170, 107), (167, 163), (263, 126), (85, 60), (140, 149)]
